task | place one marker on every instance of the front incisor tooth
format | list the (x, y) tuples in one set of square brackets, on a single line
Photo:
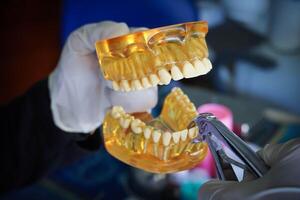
[(125, 85), (207, 64), (183, 134), (188, 70), (166, 138), (136, 126), (145, 82), (176, 73), (115, 86), (199, 67), (193, 132), (176, 137), (156, 136), (164, 76), (154, 79), (136, 84), (147, 133)]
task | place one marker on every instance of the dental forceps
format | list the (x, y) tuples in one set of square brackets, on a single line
[(218, 137)]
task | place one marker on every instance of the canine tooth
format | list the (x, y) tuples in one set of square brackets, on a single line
[(136, 84), (154, 79), (156, 136), (115, 86), (116, 112), (147, 132), (125, 121), (207, 64), (145, 82), (136, 126), (188, 70), (176, 73), (125, 85), (183, 134), (176, 137), (199, 67), (166, 138), (164, 76), (192, 132)]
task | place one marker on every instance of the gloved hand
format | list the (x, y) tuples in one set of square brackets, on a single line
[(79, 94), (282, 181)]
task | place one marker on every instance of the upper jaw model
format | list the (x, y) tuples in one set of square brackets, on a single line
[(142, 60), (156, 56)]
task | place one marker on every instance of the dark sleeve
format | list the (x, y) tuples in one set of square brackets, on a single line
[(31, 145)]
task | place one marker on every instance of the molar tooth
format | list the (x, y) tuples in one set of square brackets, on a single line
[(125, 85), (117, 111), (176, 73), (166, 138), (176, 137), (136, 84), (193, 132), (199, 67), (207, 64), (115, 86), (164, 76), (154, 79), (188, 70), (136, 126), (146, 82), (183, 134)]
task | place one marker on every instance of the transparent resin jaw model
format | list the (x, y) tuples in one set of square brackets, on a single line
[(147, 58), (161, 145)]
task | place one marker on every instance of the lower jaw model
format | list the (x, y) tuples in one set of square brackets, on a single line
[(161, 145), (146, 59)]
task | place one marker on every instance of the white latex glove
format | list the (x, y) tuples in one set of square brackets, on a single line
[(79, 94)]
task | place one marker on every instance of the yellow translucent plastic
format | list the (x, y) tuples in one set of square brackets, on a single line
[(137, 55), (137, 151)]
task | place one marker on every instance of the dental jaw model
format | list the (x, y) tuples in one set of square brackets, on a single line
[(146, 59)]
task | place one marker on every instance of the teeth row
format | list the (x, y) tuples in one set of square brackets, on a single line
[(163, 77)]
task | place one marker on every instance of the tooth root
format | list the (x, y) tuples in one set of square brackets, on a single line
[(199, 67), (176, 73), (188, 70), (207, 64), (117, 111), (164, 76), (136, 126), (154, 79), (183, 134), (176, 137), (136, 85), (193, 132), (115, 86), (125, 85), (145, 82)]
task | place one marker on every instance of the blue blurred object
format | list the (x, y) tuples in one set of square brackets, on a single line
[(150, 14)]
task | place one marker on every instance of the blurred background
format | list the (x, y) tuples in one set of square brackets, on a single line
[(255, 82)]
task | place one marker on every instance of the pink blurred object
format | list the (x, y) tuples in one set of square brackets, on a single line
[(223, 114)]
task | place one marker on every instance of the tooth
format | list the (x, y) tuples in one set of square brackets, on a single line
[(115, 86), (183, 134), (199, 67), (136, 126), (154, 79), (125, 85), (192, 132), (188, 70), (176, 137), (166, 138), (176, 73), (147, 132), (164, 76), (156, 136), (124, 122), (136, 84), (207, 64), (117, 112), (146, 82)]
